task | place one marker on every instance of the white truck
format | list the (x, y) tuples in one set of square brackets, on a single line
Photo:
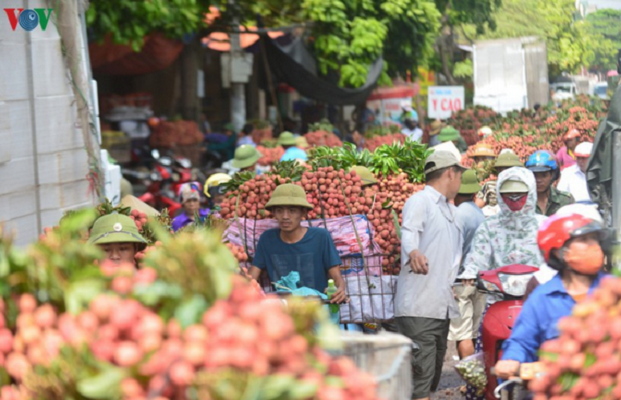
[(510, 74)]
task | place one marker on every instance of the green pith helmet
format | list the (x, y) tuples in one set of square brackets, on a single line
[(448, 134), (288, 195), (245, 156), (116, 228), (469, 183), (511, 186), (364, 174), (287, 139), (507, 160)]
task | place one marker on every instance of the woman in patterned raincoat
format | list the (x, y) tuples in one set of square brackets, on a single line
[(509, 237)]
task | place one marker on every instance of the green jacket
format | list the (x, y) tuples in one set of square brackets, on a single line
[(461, 145), (226, 148), (557, 200)]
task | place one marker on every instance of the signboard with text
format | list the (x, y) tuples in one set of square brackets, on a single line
[(444, 100)]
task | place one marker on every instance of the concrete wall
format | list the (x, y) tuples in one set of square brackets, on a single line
[(43, 164)]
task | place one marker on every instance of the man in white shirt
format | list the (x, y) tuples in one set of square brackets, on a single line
[(431, 249), (573, 179), (411, 129)]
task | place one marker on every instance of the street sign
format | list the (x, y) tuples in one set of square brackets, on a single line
[(444, 100)]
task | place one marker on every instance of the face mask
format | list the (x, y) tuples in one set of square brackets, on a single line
[(584, 258), (515, 202)]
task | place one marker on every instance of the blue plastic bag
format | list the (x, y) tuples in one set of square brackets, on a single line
[(289, 284)]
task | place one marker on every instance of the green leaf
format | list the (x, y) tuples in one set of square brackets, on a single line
[(589, 360), (80, 292), (395, 218), (5, 379), (105, 385), (277, 386), (191, 311), (568, 380), (548, 355), (152, 294), (302, 390)]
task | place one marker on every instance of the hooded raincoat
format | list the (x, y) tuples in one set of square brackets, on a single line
[(507, 237)]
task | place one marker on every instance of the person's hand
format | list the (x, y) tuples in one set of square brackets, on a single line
[(339, 296), (468, 282), (505, 369), (418, 263)]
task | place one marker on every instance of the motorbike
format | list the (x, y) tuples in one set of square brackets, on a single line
[(508, 284), (163, 178), (515, 388), (181, 173), (159, 183)]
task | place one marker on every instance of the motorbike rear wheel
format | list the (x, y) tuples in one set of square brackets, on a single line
[(517, 392)]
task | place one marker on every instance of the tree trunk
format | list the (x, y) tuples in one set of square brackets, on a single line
[(445, 47), (189, 65)]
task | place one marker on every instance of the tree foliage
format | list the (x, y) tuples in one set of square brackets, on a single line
[(602, 29), (455, 14), (347, 36), (479, 13), (552, 20), (127, 22)]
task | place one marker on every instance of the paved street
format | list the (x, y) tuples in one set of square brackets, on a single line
[(450, 382)]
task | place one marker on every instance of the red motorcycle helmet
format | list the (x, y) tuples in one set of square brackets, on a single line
[(558, 229)]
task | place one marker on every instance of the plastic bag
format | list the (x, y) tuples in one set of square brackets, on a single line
[(472, 370), (287, 284)]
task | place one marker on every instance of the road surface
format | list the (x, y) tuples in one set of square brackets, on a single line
[(450, 382)]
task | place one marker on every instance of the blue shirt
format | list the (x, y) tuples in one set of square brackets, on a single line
[(246, 140), (294, 153), (469, 216), (312, 257), (538, 320)]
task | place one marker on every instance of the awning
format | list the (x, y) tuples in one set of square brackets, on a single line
[(293, 64), (157, 53), (396, 92), (221, 41)]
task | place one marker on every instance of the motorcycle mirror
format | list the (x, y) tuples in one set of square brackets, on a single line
[(155, 153), (184, 162), (165, 161), (480, 285)]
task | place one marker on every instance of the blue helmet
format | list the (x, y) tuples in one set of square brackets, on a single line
[(541, 161)]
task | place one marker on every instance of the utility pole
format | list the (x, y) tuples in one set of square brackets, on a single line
[(239, 74)]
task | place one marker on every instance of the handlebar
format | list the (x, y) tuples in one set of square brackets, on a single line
[(504, 386), (528, 371)]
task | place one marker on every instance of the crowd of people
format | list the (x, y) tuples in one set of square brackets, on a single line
[(542, 217), (451, 231)]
